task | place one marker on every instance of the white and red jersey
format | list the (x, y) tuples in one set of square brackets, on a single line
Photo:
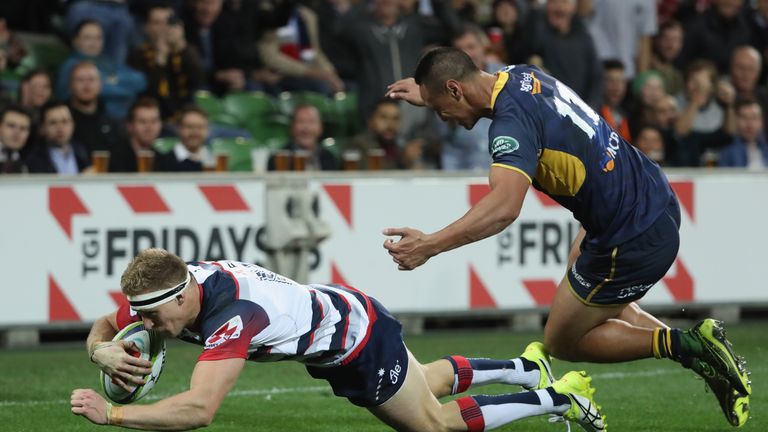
[(250, 312)]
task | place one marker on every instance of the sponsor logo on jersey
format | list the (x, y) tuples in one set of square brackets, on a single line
[(529, 83), (608, 162), (229, 330), (502, 145)]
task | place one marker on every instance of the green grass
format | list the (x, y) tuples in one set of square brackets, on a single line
[(649, 395)]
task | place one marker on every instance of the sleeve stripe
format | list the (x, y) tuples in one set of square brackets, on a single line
[(513, 169)]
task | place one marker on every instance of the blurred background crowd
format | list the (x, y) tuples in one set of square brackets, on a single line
[(242, 85)]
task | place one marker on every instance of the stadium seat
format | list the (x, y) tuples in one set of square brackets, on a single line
[(165, 144), (209, 103), (44, 54), (239, 150), (345, 113), (269, 129), (249, 107)]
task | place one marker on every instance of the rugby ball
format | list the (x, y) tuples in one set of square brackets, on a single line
[(151, 347)]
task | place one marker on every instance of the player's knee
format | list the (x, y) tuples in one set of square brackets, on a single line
[(560, 348)]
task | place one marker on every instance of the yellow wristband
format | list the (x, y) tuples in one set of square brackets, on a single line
[(117, 416)]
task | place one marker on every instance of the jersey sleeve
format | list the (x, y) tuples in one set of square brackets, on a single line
[(126, 315), (228, 333), (513, 144)]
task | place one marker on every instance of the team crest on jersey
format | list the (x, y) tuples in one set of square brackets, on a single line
[(502, 145), (229, 330)]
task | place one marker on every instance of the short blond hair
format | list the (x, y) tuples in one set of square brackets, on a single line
[(151, 270)]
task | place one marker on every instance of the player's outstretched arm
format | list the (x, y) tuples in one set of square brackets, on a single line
[(194, 408), (112, 357), (407, 90), (489, 216)]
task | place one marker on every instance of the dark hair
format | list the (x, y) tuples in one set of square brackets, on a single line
[(15, 108), (745, 102), (33, 73), (701, 65), (669, 24), (142, 102), (442, 64), (52, 104), (79, 27), (469, 28), (613, 64), (382, 102), (189, 109)]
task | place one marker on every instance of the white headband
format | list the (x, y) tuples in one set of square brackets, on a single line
[(151, 300)]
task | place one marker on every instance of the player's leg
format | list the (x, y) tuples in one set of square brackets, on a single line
[(415, 408), (456, 374)]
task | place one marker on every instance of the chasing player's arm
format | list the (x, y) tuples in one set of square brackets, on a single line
[(494, 212), (194, 408)]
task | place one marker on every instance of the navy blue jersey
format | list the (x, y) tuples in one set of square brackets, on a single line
[(542, 129)]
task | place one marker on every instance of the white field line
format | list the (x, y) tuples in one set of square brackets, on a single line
[(317, 389)]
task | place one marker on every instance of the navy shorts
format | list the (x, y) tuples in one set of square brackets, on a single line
[(379, 370), (623, 274)]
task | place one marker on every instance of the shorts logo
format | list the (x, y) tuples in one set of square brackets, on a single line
[(229, 330), (503, 145), (394, 374), (580, 278), (633, 290)]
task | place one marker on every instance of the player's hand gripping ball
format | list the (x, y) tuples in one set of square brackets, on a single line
[(151, 347)]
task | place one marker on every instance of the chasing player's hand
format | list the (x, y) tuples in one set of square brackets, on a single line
[(89, 404), (407, 90), (116, 361), (412, 250)]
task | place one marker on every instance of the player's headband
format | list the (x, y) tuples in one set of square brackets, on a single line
[(151, 300)]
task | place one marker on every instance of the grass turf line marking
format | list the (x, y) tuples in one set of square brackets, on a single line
[(316, 389)]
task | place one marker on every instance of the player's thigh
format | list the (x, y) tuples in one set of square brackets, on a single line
[(414, 407), (570, 319)]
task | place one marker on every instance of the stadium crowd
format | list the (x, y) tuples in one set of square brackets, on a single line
[(152, 85)]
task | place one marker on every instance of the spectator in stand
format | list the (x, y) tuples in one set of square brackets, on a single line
[(614, 91), (12, 45), (715, 34), (120, 84), (650, 141), (509, 37), (306, 130), (623, 30), (386, 45), (746, 65), (294, 52), (190, 153), (464, 149), (110, 14), (647, 90), (15, 125), (224, 44), (665, 115), (666, 56), (707, 119), (172, 67), (143, 125), (35, 91), (382, 133), (748, 148), (758, 20), (562, 45), (94, 129), (58, 153)]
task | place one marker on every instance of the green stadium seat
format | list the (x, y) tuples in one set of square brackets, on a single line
[(269, 129), (239, 150), (345, 114), (209, 103), (249, 107), (44, 54), (165, 144)]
